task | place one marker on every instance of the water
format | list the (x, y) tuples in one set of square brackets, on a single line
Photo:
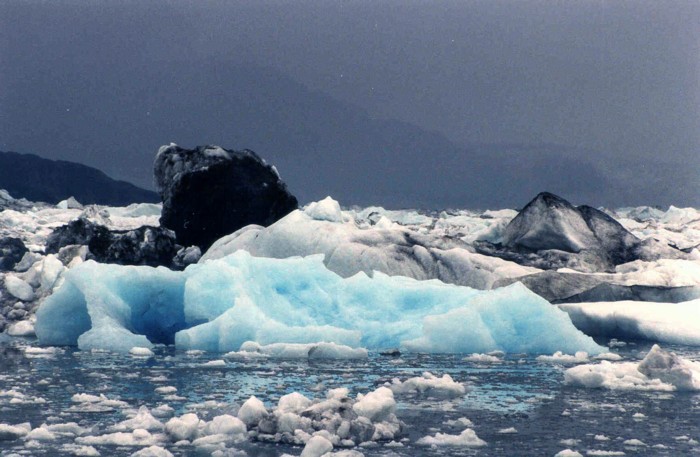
[(519, 393)]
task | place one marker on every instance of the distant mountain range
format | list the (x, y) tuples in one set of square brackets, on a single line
[(320, 145), (37, 179)]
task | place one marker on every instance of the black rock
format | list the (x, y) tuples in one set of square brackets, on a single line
[(209, 192), (42, 180), (153, 246), (77, 232), (11, 251)]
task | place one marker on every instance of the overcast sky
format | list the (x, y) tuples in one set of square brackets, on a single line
[(619, 80)]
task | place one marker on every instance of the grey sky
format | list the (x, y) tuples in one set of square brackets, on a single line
[(617, 83)]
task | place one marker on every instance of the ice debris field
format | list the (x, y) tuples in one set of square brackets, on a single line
[(180, 403), (355, 332)]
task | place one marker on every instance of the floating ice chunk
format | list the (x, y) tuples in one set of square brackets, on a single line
[(41, 351), (21, 328), (509, 430), (482, 358), (430, 385), (569, 442), (677, 323), (622, 376), (51, 269), (166, 390), (300, 351), (602, 452), (461, 422), (95, 403), (559, 357), (375, 406), (293, 403), (184, 427), (226, 425), (669, 368), (12, 432), (252, 411), (138, 437), (634, 443), (18, 288), (41, 433), (143, 420), (81, 451), (69, 429), (568, 453), (325, 210), (214, 363), (316, 447), (141, 352), (221, 304), (467, 438), (608, 356), (659, 370), (152, 451)]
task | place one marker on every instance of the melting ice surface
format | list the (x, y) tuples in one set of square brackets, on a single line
[(220, 304)]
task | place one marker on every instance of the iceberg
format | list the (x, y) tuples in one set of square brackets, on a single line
[(350, 246), (659, 370), (221, 304), (675, 323)]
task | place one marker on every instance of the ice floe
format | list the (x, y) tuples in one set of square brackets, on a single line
[(659, 370), (662, 322)]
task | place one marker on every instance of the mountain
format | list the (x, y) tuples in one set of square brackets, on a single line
[(37, 179), (321, 146)]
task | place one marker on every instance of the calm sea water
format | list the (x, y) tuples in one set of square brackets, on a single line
[(519, 393)]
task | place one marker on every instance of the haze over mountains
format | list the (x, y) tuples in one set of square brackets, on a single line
[(320, 145), (108, 85)]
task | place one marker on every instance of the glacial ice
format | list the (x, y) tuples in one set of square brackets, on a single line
[(429, 385), (311, 351), (351, 246), (219, 305), (677, 323), (467, 438), (659, 370)]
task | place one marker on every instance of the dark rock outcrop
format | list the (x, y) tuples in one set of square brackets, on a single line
[(209, 192), (549, 222), (153, 246), (80, 231), (11, 251), (38, 179), (551, 233)]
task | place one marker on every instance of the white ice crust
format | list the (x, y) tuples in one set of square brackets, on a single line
[(659, 370), (677, 323)]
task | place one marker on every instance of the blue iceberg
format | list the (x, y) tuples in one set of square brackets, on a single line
[(220, 304)]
